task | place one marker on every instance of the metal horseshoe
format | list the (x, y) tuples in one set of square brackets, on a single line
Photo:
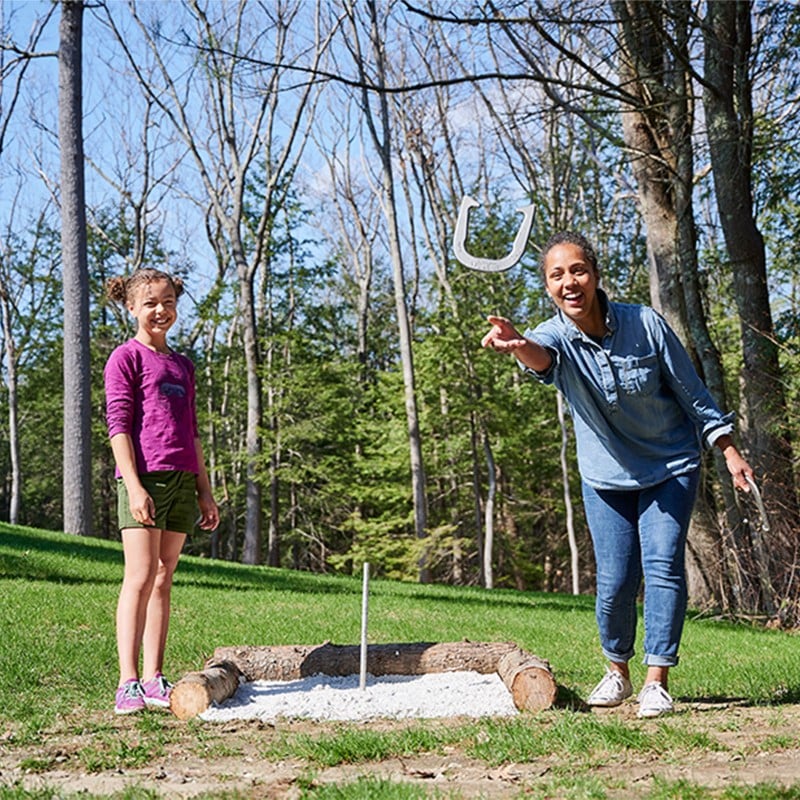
[(759, 504), (490, 264)]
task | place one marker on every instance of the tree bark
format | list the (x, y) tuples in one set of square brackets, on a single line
[(77, 482), (728, 106)]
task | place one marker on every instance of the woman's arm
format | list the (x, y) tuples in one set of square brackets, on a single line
[(504, 338)]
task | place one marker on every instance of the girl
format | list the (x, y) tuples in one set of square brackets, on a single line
[(642, 416), (161, 478)]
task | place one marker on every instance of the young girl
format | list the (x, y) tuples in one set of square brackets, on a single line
[(161, 478)]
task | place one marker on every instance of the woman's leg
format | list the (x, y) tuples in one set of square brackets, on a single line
[(158, 606), (613, 523), (140, 549), (665, 514)]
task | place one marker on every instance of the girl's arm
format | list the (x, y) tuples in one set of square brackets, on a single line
[(141, 504), (209, 513)]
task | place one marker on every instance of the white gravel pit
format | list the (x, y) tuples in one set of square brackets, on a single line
[(323, 697)]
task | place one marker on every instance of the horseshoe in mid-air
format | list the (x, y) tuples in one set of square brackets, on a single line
[(490, 264)]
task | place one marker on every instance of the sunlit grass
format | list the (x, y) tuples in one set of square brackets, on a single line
[(58, 669)]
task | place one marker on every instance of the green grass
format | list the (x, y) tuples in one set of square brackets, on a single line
[(58, 660), (59, 597)]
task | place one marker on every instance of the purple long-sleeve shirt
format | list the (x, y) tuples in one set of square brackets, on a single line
[(151, 397)]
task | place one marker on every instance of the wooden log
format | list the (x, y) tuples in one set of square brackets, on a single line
[(292, 662), (195, 692), (527, 677)]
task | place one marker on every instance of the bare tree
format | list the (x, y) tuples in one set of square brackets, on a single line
[(77, 378), (379, 123), (728, 104), (242, 143)]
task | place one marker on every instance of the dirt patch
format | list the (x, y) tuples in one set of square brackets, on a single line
[(734, 745)]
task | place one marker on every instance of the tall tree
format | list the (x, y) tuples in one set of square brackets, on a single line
[(728, 104), (77, 377), (252, 134), (379, 122)]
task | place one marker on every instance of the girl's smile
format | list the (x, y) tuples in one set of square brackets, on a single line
[(155, 308)]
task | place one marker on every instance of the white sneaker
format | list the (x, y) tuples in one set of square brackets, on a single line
[(611, 690), (654, 700)]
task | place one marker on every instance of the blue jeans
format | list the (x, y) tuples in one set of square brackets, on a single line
[(641, 533)]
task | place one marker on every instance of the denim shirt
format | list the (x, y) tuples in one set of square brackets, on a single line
[(640, 410)]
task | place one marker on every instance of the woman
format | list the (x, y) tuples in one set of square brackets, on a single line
[(642, 416)]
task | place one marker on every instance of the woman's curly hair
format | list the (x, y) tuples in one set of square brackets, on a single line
[(569, 237)]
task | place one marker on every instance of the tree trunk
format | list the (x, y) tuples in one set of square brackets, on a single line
[(77, 481), (571, 538), (380, 132), (647, 135), (728, 106), (726, 578), (251, 547), (488, 516), (658, 131), (13, 407), (727, 100)]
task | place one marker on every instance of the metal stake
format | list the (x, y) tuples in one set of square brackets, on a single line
[(364, 610)]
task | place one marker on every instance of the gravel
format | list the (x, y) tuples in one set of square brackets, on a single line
[(322, 697)]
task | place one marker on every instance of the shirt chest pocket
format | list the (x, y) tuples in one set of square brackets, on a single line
[(636, 375)]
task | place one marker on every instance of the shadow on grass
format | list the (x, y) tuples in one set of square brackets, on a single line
[(569, 700), (24, 555)]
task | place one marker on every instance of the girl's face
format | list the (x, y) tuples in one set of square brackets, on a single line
[(155, 308), (572, 282)]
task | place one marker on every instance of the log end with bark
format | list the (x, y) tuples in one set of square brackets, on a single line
[(195, 692), (527, 677)]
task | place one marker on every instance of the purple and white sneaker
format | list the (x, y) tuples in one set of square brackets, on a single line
[(156, 691), (130, 698)]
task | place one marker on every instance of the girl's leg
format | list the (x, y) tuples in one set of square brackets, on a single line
[(140, 550), (664, 523), (158, 606), (613, 523)]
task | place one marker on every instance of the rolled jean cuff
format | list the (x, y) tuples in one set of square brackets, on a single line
[(618, 658), (660, 661)]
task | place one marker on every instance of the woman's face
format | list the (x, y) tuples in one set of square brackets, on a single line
[(572, 282)]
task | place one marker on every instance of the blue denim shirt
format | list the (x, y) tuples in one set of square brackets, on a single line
[(640, 410)]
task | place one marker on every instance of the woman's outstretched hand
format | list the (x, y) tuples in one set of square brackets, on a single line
[(503, 337)]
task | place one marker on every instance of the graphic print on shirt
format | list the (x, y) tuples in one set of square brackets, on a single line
[(172, 389)]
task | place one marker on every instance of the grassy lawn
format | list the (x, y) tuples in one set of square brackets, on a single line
[(58, 663)]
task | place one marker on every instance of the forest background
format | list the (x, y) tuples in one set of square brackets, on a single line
[(301, 165)]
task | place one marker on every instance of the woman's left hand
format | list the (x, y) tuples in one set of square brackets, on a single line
[(739, 469)]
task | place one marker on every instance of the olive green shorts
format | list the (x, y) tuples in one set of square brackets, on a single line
[(175, 496)]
